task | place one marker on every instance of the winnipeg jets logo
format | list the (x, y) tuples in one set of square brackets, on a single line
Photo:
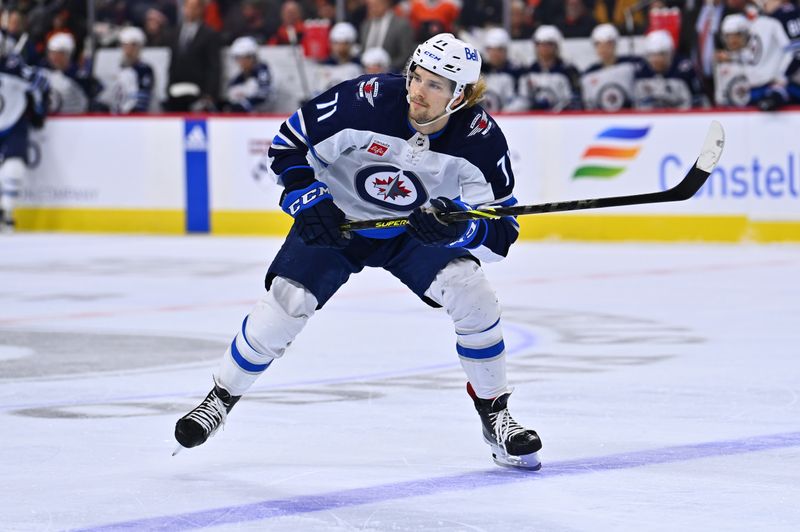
[(369, 90), (390, 187), (480, 124)]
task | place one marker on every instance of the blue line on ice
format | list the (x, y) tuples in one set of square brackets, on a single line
[(465, 481)]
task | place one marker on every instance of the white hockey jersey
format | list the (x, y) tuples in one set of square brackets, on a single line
[(358, 140)]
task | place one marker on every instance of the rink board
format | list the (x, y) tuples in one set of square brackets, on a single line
[(177, 174)]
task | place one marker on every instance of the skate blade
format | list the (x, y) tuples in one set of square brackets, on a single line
[(530, 462)]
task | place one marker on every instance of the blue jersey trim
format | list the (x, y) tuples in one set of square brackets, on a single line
[(432, 135), (381, 233)]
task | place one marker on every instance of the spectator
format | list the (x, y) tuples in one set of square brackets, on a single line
[(156, 28), (17, 37), (576, 21), (132, 90), (383, 29), (481, 13), (292, 28), (608, 84), (72, 89), (326, 10), (194, 68), (342, 64), (550, 83), (547, 12), (431, 17), (708, 20), (355, 12), (521, 21), (498, 72), (668, 81), (375, 61), (250, 18), (251, 89), (616, 12), (46, 19)]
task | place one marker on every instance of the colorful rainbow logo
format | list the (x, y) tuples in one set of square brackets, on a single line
[(613, 146)]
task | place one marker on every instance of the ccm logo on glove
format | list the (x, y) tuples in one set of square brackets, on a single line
[(297, 200)]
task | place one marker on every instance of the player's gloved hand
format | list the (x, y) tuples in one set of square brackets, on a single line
[(316, 217), (425, 225)]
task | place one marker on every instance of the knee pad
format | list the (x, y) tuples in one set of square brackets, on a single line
[(272, 325), (463, 290)]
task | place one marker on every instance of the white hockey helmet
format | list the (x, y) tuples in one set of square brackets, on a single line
[(549, 34), (659, 42), (244, 47), (132, 35), (496, 38), (604, 33), (61, 42), (736, 23), (376, 56), (343, 32), (451, 58)]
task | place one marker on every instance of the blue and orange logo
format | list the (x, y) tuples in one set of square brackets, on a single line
[(612, 149)]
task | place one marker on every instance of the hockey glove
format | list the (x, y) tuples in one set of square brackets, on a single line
[(316, 217), (425, 225)]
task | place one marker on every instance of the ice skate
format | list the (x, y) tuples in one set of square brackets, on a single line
[(202, 422), (512, 444)]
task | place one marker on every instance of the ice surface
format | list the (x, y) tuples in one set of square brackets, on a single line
[(663, 380)]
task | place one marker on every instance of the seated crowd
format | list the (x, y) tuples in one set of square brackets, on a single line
[(690, 53)]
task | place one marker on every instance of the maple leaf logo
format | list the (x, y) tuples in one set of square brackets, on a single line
[(391, 188)]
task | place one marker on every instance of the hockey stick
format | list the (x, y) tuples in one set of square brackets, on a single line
[(691, 183)]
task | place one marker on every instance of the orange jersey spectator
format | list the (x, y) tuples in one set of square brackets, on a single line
[(443, 13), (292, 27)]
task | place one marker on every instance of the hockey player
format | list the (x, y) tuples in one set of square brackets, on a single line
[(667, 81), (251, 89), (343, 62), (23, 93), (132, 90), (752, 68), (376, 61), (381, 146), (550, 83), (608, 84), (789, 16), (500, 75), (72, 89), (786, 12)]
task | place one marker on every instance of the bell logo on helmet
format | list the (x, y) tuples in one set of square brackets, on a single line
[(472, 54)]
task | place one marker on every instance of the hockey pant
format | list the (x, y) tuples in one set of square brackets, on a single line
[(460, 287)]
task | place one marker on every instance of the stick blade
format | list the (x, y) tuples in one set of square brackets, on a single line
[(712, 148)]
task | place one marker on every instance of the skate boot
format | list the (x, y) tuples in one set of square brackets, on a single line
[(512, 444), (203, 421)]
